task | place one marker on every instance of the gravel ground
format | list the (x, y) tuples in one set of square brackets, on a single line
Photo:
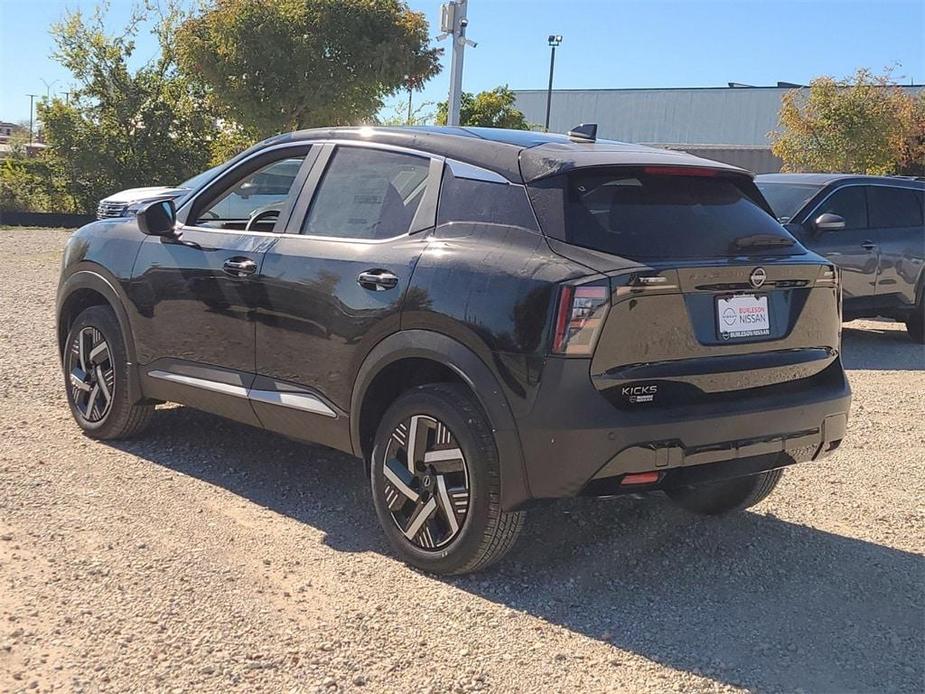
[(210, 556)]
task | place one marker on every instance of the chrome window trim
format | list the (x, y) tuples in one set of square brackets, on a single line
[(305, 402), (287, 235), (461, 169), (435, 159)]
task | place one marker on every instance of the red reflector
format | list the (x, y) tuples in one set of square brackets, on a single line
[(640, 478), (562, 318), (679, 171)]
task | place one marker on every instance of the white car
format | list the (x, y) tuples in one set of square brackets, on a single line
[(126, 202)]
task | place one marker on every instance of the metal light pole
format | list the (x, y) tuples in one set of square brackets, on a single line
[(48, 87), (32, 97), (453, 23), (554, 40)]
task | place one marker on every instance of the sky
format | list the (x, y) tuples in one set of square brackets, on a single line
[(606, 43)]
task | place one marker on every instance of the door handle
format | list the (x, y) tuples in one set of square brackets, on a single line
[(868, 245), (239, 267), (377, 280)]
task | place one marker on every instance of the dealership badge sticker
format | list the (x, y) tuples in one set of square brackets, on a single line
[(743, 315), (640, 393)]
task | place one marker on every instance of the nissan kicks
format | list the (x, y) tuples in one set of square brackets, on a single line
[(487, 318)]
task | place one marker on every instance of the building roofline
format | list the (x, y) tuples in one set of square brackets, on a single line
[(681, 89)]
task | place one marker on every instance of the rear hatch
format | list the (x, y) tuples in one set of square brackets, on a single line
[(708, 298)]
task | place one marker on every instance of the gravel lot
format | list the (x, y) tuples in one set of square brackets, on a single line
[(210, 556)]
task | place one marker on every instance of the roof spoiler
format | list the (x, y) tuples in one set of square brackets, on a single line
[(586, 132)]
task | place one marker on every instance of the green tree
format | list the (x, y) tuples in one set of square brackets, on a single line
[(290, 64), (122, 127), (401, 113), (491, 109), (865, 124)]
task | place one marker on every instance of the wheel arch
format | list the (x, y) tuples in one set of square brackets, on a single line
[(88, 287), (428, 357)]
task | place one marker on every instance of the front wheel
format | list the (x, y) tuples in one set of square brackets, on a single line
[(726, 496), (97, 378), (436, 482), (915, 324)]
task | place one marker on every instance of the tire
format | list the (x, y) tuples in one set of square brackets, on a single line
[(461, 482), (101, 369), (915, 324), (727, 496)]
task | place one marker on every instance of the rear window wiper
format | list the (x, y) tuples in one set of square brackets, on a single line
[(763, 241)]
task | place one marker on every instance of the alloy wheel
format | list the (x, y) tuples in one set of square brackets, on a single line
[(426, 482), (91, 374)]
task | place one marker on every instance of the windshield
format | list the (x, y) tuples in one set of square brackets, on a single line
[(201, 178), (786, 199), (644, 213)]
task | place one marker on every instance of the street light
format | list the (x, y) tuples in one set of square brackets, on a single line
[(32, 97), (48, 87), (554, 40)]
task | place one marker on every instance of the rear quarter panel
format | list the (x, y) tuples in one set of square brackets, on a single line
[(492, 288)]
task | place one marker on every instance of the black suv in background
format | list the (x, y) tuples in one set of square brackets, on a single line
[(485, 317), (871, 227)]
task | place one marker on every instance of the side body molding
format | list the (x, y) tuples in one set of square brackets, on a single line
[(473, 371)]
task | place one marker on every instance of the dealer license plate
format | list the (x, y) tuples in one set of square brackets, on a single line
[(743, 315)]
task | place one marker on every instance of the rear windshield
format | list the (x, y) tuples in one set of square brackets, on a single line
[(786, 199), (644, 214)]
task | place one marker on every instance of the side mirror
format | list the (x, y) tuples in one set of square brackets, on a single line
[(157, 218), (829, 222)]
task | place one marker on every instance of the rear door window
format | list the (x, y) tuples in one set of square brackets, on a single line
[(367, 194), (646, 214), (894, 207)]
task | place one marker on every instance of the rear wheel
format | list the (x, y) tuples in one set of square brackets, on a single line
[(436, 482), (727, 496), (96, 378)]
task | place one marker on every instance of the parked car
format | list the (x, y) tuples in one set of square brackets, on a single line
[(487, 318), (872, 227), (126, 202)]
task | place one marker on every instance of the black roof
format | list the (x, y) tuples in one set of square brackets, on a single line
[(518, 155)]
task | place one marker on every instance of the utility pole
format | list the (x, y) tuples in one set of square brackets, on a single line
[(453, 22), (32, 97), (554, 40)]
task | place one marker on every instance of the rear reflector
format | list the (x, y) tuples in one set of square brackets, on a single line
[(639, 478), (679, 171)]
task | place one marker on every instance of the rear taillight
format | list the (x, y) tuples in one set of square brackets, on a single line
[(580, 315), (828, 276)]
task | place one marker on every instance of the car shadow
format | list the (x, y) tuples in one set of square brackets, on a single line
[(881, 348), (750, 600)]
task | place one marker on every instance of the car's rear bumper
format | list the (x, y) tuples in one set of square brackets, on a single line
[(576, 441)]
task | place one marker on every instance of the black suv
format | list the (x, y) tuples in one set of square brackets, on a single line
[(871, 227), (485, 317)]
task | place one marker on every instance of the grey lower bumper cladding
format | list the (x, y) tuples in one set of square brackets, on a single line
[(800, 446)]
